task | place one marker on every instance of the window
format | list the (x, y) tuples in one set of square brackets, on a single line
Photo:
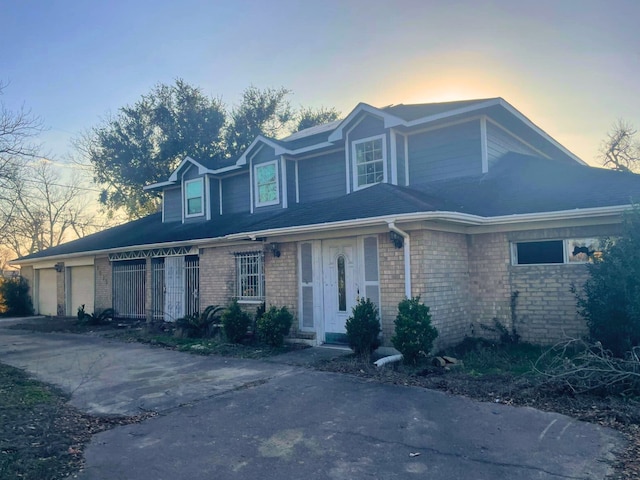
[(250, 276), (193, 198), (369, 162), (266, 184), (583, 250)]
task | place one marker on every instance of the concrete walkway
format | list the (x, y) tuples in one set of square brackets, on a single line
[(241, 419)]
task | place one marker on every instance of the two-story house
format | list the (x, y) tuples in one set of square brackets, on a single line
[(467, 204)]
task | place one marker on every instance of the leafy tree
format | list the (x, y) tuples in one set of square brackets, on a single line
[(146, 141), (309, 117), (14, 297), (266, 112), (621, 149), (611, 301)]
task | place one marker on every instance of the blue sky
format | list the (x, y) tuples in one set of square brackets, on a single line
[(571, 66)]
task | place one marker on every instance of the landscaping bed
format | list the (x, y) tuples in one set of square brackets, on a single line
[(42, 435)]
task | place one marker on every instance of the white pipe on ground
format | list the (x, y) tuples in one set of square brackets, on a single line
[(389, 359)]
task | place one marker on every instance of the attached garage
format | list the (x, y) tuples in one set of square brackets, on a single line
[(46, 291), (81, 290)]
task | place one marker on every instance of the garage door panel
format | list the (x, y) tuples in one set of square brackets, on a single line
[(82, 288), (47, 292)]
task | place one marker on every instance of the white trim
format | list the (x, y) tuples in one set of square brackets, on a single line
[(297, 183), (185, 200), (516, 137), (255, 168), (80, 262), (389, 120), (347, 152), (354, 165), (283, 167), (394, 156), (220, 194), (207, 188), (483, 144), (406, 160), (162, 206)]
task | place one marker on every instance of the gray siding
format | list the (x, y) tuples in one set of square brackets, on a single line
[(322, 177), (172, 204), (400, 159), (235, 194), (368, 127), (445, 153), (190, 173), (266, 154), (500, 142), (214, 196), (291, 182)]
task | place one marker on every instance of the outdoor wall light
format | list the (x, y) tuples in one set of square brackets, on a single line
[(396, 239), (59, 267), (275, 249)]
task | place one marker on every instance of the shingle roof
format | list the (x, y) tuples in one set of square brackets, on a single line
[(421, 110), (517, 184)]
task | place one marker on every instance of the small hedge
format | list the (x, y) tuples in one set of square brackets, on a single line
[(235, 322), (14, 297), (273, 325), (363, 328), (414, 334)]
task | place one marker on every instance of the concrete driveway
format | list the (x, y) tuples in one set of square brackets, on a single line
[(240, 419)]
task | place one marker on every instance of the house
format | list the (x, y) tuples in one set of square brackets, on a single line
[(467, 204)]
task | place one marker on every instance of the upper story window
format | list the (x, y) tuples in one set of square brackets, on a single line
[(370, 161), (194, 198), (266, 184)]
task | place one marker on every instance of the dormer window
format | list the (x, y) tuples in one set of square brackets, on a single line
[(193, 198), (370, 162), (266, 184)]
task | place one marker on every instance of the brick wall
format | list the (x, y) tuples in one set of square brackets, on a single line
[(103, 290), (392, 289), (281, 278), (60, 294), (217, 275), (490, 289), (440, 275)]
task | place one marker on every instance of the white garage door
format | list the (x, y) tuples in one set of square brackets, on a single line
[(47, 296), (82, 289)]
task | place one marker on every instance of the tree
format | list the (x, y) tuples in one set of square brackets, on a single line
[(611, 301), (146, 141), (309, 117), (261, 112), (621, 149), (48, 210)]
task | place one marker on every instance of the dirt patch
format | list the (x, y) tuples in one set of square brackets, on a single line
[(614, 412)]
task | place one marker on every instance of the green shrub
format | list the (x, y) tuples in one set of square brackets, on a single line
[(363, 328), (201, 325), (235, 322), (611, 301), (414, 334), (14, 297), (273, 325)]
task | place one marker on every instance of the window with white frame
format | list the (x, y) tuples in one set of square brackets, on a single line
[(250, 276), (369, 161), (545, 252), (266, 184), (193, 198)]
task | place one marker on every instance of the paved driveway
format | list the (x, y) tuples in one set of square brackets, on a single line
[(227, 419)]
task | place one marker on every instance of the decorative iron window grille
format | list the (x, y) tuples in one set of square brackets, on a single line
[(249, 276)]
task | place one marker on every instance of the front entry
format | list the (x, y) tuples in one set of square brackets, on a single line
[(341, 290)]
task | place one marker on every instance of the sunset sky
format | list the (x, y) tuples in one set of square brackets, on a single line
[(572, 67)]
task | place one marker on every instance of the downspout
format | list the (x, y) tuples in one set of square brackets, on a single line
[(407, 257)]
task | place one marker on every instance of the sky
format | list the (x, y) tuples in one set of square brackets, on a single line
[(571, 66)]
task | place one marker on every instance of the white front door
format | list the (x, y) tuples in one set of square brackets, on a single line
[(341, 290)]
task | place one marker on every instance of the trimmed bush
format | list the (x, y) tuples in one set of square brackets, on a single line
[(273, 325), (363, 328), (14, 297), (414, 334), (235, 322), (611, 305)]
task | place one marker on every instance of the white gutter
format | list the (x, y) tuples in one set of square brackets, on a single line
[(451, 217), (407, 257)]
